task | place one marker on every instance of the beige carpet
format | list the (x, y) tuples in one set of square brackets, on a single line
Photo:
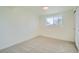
[(42, 45)]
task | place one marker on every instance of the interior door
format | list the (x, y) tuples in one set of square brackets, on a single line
[(77, 27)]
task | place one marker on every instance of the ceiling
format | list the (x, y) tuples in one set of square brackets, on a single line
[(51, 9), (57, 9), (39, 9)]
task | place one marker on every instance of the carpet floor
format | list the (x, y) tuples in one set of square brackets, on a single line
[(42, 45)]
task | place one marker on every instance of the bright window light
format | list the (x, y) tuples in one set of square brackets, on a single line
[(49, 20), (54, 20)]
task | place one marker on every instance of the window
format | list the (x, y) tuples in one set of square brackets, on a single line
[(54, 20)]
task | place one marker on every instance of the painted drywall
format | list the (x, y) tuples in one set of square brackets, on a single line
[(16, 25), (62, 32), (19, 24), (76, 14)]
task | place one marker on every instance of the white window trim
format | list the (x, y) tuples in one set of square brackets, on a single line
[(53, 24)]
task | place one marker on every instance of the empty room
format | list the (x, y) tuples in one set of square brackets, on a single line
[(39, 29)]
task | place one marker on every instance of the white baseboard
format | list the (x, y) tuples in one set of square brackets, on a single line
[(27, 38), (54, 37), (17, 42)]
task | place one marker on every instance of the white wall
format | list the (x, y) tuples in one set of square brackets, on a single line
[(77, 27), (63, 32), (16, 25)]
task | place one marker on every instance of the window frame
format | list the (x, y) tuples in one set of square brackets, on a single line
[(59, 20)]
